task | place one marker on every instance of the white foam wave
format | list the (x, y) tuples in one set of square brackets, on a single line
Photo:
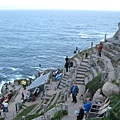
[(32, 77), (85, 35), (40, 56), (14, 69)]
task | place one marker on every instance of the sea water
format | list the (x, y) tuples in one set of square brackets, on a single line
[(32, 37)]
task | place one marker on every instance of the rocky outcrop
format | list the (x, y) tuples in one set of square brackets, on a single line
[(116, 38), (110, 88), (98, 96)]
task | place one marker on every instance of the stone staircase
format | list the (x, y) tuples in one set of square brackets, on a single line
[(64, 82), (81, 72)]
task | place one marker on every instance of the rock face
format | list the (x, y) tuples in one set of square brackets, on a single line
[(98, 96), (117, 34), (116, 38), (109, 88)]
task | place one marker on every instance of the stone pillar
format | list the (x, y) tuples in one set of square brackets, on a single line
[(44, 108), (66, 107), (48, 117), (82, 56), (90, 56), (92, 46), (75, 73), (103, 75), (65, 96), (115, 73), (61, 106), (105, 37)]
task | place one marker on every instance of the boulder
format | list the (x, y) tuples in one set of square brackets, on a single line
[(110, 88), (98, 96)]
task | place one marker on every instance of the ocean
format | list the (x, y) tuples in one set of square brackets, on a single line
[(32, 37)]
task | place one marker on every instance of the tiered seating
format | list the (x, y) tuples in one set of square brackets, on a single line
[(99, 108)]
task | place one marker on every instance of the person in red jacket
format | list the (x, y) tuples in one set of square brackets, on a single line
[(100, 49)]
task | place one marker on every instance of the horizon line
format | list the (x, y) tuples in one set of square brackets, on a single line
[(60, 10)]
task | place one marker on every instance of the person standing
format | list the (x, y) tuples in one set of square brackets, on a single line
[(22, 95), (74, 91), (67, 63), (100, 49)]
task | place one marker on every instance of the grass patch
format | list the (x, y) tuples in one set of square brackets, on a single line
[(24, 112), (94, 84)]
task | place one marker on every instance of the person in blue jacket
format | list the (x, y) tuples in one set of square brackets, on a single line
[(87, 106), (74, 91)]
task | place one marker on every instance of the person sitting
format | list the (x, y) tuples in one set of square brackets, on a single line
[(87, 106)]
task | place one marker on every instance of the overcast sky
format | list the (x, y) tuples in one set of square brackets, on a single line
[(113, 5)]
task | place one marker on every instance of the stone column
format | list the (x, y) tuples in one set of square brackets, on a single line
[(48, 117), (115, 73), (65, 96), (66, 107), (61, 106), (44, 108), (83, 56), (103, 75), (105, 37), (92, 47), (90, 56)]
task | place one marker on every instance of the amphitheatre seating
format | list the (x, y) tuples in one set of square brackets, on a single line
[(108, 54), (100, 108), (99, 103)]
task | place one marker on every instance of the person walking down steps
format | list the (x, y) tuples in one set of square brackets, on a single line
[(67, 63), (74, 91)]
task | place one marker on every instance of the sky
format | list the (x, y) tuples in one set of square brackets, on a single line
[(107, 5)]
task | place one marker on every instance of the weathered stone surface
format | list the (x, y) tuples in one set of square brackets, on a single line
[(98, 96), (109, 88)]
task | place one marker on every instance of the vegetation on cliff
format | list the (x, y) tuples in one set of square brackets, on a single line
[(94, 84)]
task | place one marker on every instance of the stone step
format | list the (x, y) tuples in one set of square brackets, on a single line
[(82, 67), (63, 84), (81, 80), (114, 52), (108, 54), (86, 60), (80, 76), (80, 83), (64, 79), (81, 72), (60, 87)]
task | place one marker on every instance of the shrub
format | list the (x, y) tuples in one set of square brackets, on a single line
[(94, 84), (59, 114)]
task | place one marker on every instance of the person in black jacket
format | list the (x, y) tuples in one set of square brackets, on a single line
[(81, 113)]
